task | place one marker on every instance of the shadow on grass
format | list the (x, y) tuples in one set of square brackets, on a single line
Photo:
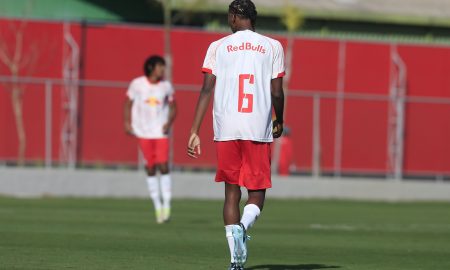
[(292, 267)]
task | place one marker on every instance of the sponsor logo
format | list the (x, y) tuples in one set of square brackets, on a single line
[(246, 46), (153, 102)]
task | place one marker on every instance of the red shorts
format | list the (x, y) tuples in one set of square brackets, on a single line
[(244, 163), (156, 151)]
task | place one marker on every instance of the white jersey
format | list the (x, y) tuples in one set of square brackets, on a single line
[(244, 64), (150, 110)]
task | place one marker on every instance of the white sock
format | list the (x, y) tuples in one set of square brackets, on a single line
[(153, 188), (250, 215), (230, 239), (166, 190)]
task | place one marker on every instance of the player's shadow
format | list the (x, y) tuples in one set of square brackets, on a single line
[(292, 267)]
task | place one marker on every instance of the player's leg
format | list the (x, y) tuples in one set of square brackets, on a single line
[(255, 176), (234, 232), (231, 211), (154, 190), (162, 159), (147, 148), (252, 211), (253, 207), (231, 214), (166, 189), (228, 169)]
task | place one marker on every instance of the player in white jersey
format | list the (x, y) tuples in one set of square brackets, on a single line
[(152, 107), (246, 69)]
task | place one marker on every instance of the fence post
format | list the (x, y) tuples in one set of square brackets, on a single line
[(342, 54), (396, 128), (316, 158), (48, 123)]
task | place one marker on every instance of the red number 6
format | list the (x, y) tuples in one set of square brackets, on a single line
[(242, 107)]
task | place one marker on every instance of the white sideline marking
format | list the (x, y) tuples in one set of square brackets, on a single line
[(382, 227)]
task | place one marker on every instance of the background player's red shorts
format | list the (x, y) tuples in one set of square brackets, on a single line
[(156, 151), (244, 163)]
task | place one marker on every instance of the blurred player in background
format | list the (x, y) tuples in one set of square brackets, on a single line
[(152, 108), (286, 153), (246, 69)]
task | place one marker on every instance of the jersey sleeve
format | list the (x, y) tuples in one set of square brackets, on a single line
[(278, 67), (209, 65), (131, 92), (170, 92)]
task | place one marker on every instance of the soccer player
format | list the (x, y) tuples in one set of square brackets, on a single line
[(153, 109), (246, 70)]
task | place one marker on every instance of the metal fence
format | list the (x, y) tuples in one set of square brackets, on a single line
[(67, 146)]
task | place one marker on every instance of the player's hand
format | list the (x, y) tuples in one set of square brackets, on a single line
[(166, 128), (277, 130), (194, 146), (129, 129)]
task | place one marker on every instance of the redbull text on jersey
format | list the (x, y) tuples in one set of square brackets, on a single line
[(246, 46)]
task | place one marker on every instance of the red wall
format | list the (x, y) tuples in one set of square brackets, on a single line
[(116, 53), (41, 57), (427, 125)]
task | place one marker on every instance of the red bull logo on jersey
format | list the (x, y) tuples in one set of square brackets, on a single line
[(153, 102), (246, 46)]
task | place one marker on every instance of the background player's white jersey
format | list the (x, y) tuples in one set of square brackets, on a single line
[(244, 64), (150, 110)]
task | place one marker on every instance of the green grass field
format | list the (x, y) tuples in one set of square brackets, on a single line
[(292, 234)]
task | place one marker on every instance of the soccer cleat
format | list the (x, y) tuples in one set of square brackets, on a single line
[(235, 266), (240, 244), (166, 214), (159, 216)]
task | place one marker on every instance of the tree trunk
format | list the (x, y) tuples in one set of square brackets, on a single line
[(17, 104), (167, 38)]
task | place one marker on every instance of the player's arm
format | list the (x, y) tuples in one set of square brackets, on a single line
[(172, 116), (278, 106), (202, 106), (126, 116)]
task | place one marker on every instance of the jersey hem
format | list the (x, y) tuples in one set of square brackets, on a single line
[(151, 137), (243, 139)]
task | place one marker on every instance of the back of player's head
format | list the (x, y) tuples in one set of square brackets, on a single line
[(151, 62), (244, 9)]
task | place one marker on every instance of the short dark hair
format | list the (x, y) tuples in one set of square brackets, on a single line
[(244, 9), (151, 62)]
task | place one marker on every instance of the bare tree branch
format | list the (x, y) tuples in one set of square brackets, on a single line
[(30, 56), (18, 51), (4, 52), (16, 60)]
